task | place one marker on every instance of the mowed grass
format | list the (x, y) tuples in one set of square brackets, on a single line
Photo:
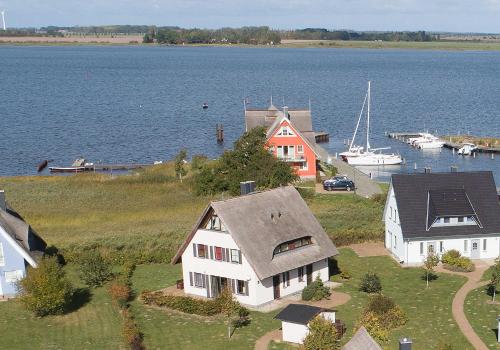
[(428, 310), (151, 210), (94, 324), (482, 315), (164, 329)]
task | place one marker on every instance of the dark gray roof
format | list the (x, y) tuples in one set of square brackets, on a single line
[(22, 233), (298, 313), (361, 341), (420, 197), (261, 221), (301, 118)]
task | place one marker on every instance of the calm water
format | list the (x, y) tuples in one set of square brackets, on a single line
[(140, 104)]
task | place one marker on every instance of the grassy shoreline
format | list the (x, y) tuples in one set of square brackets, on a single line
[(349, 44)]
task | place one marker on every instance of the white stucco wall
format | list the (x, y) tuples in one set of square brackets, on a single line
[(492, 247), (294, 332), (393, 234), (259, 292)]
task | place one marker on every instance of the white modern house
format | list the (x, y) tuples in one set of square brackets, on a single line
[(263, 245), (295, 319), (437, 212)]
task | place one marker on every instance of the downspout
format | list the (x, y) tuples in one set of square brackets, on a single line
[(407, 244)]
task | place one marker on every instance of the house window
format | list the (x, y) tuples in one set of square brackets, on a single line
[(421, 248), (202, 251), (301, 273), (284, 131), (484, 244), (300, 149), (466, 245), (446, 220), (395, 242), (235, 256), (241, 287), (291, 245), (2, 258), (214, 224), (286, 279), (460, 219), (470, 219), (218, 253), (303, 166), (199, 280), (441, 246), (13, 276)]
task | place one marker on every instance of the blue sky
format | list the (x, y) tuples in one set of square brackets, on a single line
[(439, 15)]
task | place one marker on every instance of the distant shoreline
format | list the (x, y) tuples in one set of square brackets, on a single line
[(131, 40)]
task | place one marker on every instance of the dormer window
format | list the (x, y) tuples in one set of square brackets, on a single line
[(450, 207), (291, 245)]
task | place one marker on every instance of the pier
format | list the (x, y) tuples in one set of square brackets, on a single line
[(403, 136)]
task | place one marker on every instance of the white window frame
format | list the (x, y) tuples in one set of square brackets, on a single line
[(303, 166), (198, 280), (300, 149), (243, 287), (13, 276), (235, 258), (2, 256)]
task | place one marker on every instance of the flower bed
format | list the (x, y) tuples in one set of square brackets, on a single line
[(452, 260)]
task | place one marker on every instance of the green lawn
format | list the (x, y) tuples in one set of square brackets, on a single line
[(429, 310), (173, 330), (482, 316), (95, 325)]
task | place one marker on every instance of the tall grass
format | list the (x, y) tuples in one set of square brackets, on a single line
[(145, 216)]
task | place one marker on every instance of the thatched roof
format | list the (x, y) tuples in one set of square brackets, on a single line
[(261, 221)]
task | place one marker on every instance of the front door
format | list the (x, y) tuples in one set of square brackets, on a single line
[(309, 273), (276, 286), (474, 253), (431, 248)]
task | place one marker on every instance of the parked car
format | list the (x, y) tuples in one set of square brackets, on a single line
[(338, 185)]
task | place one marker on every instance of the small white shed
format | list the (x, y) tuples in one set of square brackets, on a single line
[(295, 319)]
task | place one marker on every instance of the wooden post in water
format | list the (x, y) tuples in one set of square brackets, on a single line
[(219, 129)]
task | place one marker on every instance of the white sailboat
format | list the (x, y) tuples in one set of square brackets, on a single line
[(372, 156), (354, 150)]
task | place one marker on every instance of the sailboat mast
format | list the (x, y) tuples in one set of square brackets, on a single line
[(357, 125), (368, 119)]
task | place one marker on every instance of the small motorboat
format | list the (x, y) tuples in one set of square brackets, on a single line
[(78, 166), (205, 106), (467, 149)]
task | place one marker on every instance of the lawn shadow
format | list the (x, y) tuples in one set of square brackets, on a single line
[(495, 331), (432, 276), (81, 297), (333, 267)]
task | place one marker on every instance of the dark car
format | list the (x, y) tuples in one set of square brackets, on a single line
[(338, 185)]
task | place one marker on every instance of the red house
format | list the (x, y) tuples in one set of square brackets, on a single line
[(290, 136)]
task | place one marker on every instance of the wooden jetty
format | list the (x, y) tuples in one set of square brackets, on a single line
[(403, 135), (97, 167)]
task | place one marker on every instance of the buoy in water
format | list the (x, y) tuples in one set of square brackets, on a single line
[(205, 106)]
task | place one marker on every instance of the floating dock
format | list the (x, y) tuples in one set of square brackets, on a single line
[(322, 137), (403, 136)]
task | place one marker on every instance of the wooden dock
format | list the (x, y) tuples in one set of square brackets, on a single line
[(110, 167), (322, 137)]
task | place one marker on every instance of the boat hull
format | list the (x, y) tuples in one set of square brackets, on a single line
[(375, 160), (69, 169)]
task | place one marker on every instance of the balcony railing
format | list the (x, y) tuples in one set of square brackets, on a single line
[(293, 158)]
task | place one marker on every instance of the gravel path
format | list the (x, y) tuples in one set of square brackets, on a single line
[(473, 282)]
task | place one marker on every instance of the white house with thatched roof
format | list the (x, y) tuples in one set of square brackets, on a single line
[(262, 245)]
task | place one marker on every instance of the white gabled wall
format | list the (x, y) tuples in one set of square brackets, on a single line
[(492, 247), (294, 332), (259, 292), (393, 233)]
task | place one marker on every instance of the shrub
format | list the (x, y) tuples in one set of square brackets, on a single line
[(380, 304), (94, 271), (393, 318), (370, 283), (453, 261), (131, 333), (450, 256), (316, 290), (444, 346), (120, 294), (322, 335), (373, 326), (183, 303), (45, 290), (345, 275), (379, 198)]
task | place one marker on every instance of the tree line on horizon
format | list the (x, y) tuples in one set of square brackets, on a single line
[(261, 35)]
